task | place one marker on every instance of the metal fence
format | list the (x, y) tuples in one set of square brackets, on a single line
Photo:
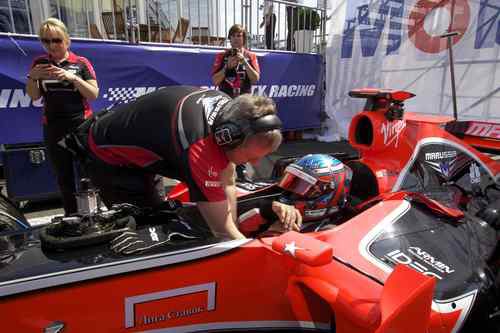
[(271, 24)]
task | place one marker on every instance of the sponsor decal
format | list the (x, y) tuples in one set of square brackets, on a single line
[(212, 183), (146, 320), (169, 305), (444, 167), (440, 155), (484, 130), (212, 106), (474, 174), (391, 130), (429, 262), (212, 173), (429, 259)]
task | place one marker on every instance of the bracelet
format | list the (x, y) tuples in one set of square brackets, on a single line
[(30, 78)]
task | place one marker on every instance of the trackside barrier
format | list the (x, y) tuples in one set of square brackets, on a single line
[(126, 71)]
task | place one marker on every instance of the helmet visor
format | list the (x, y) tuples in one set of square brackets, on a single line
[(297, 181)]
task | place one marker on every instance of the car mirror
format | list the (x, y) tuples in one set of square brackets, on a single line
[(304, 248)]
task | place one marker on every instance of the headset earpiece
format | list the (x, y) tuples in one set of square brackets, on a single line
[(230, 134), (266, 123)]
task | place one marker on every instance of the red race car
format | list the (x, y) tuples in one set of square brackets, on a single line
[(417, 251)]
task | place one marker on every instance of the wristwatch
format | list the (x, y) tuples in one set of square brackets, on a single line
[(30, 78)]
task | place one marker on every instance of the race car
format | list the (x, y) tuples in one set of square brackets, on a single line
[(419, 254)]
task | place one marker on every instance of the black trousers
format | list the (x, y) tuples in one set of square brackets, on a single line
[(124, 185), (270, 29), (62, 161)]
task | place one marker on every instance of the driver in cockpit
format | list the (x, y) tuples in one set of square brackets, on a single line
[(317, 185)]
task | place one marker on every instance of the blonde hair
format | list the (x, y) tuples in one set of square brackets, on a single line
[(53, 24)]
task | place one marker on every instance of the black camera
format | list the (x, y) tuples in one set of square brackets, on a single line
[(233, 52), (44, 61)]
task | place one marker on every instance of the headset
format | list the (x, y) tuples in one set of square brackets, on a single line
[(231, 133)]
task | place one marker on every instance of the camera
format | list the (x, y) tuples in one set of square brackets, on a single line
[(233, 52), (44, 62)]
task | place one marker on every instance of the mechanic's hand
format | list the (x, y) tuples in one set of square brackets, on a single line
[(40, 71), (289, 216)]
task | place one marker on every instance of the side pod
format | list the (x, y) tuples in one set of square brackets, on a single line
[(404, 305)]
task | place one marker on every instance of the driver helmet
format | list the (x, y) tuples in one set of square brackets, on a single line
[(317, 185)]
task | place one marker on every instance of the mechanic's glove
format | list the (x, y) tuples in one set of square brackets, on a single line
[(146, 239)]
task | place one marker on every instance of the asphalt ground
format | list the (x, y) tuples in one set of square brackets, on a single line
[(41, 212)]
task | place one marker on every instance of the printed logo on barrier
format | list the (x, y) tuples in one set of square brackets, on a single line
[(17, 98), (126, 94), (383, 23), (284, 90)]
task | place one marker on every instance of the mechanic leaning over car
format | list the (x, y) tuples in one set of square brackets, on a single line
[(185, 133)]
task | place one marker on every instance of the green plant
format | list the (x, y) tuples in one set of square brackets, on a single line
[(308, 19)]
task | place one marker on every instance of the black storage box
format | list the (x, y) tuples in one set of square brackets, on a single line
[(28, 172)]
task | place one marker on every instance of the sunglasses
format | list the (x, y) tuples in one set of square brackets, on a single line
[(53, 40)]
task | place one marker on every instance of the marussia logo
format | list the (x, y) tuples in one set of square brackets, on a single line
[(442, 161), (391, 131)]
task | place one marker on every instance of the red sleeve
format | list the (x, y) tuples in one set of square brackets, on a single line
[(206, 163), (88, 72), (254, 62), (219, 59)]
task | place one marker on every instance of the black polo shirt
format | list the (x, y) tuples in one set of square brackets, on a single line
[(62, 101)]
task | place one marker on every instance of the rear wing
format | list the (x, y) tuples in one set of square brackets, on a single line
[(483, 136)]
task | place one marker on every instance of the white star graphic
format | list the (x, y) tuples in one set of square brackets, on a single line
[(291, 248)]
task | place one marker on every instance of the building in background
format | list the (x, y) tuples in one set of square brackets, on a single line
[(170, 21)]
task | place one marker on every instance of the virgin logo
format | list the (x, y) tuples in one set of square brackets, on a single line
[(391, 131)]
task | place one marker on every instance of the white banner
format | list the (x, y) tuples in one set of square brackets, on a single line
[(395, 44)]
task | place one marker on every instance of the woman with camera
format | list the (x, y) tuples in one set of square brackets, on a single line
[(66, 82), (235, 70)]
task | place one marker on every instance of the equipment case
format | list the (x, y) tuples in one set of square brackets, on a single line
[(28, 172)]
